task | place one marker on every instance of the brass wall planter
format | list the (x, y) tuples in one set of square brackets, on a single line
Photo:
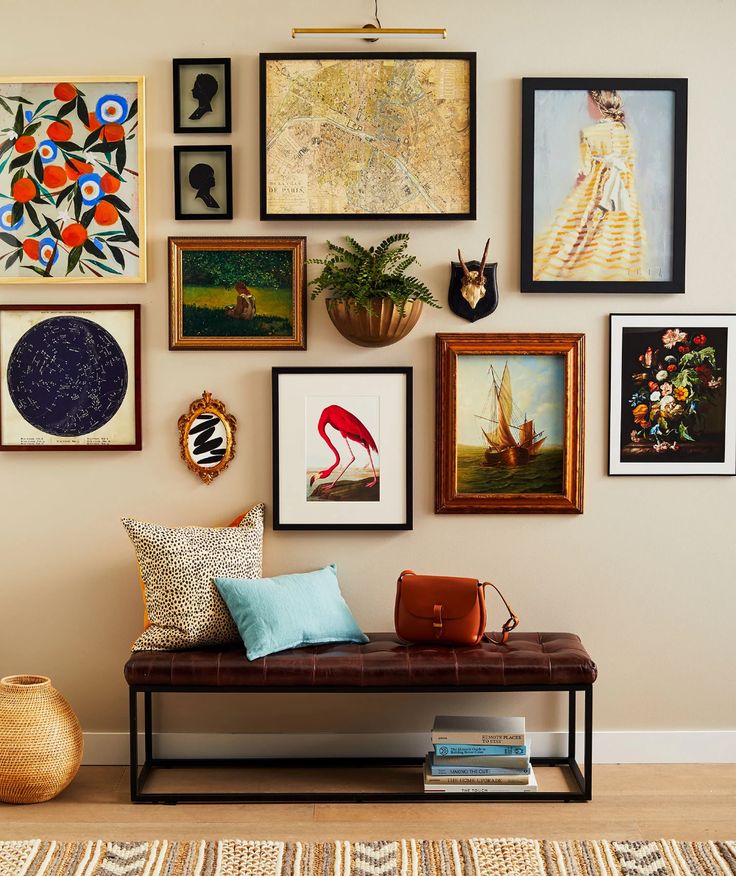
[(380, 328)]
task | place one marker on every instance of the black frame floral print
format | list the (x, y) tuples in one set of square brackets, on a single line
[(672, 405)]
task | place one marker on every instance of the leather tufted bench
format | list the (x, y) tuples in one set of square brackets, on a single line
[(527, 662)]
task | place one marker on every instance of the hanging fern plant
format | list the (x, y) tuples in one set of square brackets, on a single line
[(360, 276)]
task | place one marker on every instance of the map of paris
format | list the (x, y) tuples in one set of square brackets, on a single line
[(377, 135)]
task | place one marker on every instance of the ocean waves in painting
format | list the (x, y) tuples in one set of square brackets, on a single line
[(542, 474)]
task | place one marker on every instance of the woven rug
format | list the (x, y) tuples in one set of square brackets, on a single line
[(408, 857)]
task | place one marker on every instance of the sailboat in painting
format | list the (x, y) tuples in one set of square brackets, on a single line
[(511, 439)]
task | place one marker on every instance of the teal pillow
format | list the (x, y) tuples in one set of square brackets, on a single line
[(289, 611)]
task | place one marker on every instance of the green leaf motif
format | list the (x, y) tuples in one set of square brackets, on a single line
[(53, 228), (684, 434), (33, 216), (13, 258), (82, 111), (9, 238), (104, 267), (133, 110), (31, 129), (5, 106), (21, 160), (117, 254), (67, 108), (129, 230), (121, 157), (17, 213), (73, 259), (120, 205), (18, 124)]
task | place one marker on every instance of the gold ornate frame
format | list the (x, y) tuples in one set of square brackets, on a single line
[(207, 405), (570, 500)]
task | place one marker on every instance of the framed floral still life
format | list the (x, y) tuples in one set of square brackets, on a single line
[(70, 377), (72, 178), (603, 185), (510, 423), (673, 394), (342, 448), (237, 293)]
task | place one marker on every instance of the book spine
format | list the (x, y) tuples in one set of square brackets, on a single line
[(479, 738), (462, 750), (476, 789), (480, 780), (476, 771)]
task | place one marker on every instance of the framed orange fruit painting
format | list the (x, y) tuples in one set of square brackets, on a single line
[(72, 180)]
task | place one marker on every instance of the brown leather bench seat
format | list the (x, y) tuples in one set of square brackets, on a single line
[(535, 659)]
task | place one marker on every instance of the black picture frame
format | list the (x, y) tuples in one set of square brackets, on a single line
[(408, 523), (179, 125), (469, 57), (227, 151), (669, 466), (679, 87)]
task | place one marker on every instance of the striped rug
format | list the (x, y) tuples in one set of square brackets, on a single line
[(406, 857)]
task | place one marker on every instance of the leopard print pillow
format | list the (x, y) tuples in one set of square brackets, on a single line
[(177, 566)]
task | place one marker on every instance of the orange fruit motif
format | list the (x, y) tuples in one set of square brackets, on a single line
[(24, 144), (54, 177), (60, 132), (92, 124), (74, 234), (30, 248), (112, 132), (75, 168), (24, 190), (109, 184), (105, 214), (65, 91)]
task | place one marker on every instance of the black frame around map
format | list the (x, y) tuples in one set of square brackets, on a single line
[(469, 57)]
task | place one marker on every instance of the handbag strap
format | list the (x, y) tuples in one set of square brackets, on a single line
[(513, 620)]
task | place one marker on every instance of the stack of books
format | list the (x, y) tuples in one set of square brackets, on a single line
[(479, 755)]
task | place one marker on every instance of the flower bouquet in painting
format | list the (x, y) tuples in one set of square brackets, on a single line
[(70, 176), (675, 393)]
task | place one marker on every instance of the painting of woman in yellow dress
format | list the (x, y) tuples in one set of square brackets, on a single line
[(598, 233)]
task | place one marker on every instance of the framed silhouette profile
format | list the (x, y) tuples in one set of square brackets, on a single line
[(203, 187), (202, 101)]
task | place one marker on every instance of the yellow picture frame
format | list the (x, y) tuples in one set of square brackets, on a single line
[(47, 149)]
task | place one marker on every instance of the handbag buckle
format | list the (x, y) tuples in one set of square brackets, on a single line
[(437, 623)]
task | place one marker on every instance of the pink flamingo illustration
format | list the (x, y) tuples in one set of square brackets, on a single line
[(351, 429)]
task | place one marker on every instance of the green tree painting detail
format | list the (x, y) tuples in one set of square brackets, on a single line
[(70, 181), (213, 281)]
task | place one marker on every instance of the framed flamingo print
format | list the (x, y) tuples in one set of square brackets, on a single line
[(342, 448), (72, 204)]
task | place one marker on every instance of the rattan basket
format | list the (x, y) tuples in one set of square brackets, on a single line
[(41, 741)]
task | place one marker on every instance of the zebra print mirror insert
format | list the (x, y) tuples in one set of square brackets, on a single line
[(207, 437)]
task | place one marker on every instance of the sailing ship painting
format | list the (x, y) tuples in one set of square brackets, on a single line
[(509, 443), (510, 424)]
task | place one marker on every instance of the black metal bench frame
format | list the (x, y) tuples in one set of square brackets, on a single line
[(582, 781)]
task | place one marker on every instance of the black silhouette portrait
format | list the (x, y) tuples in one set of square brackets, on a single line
[(202, 180), (204, 89)]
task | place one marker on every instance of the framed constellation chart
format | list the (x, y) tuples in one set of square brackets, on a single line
[(70, 377)]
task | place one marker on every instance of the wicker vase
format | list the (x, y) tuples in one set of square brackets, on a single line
[(40, 740), (383, 326)]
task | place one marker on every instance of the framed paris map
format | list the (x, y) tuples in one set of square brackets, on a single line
[(368, 136)]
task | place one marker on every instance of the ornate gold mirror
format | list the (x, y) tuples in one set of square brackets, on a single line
[(207, 437)]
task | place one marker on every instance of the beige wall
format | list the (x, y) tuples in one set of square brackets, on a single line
[(645, 575)]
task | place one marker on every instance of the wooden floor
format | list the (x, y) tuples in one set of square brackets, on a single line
[(688, 802)]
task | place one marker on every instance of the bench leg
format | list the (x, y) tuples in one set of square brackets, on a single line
[(571, 725), (588, 766), (133, 739), (148, 725)]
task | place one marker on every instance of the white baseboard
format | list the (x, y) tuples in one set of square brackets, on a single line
[(609, 746)]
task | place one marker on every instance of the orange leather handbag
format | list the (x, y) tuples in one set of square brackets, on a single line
[(448, 611)]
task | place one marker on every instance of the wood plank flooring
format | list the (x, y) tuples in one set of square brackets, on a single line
[(687, 802)]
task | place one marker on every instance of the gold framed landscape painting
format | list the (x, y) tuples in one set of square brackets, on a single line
[(368, 136), (510, 424), (237, 293), (72, 180)]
